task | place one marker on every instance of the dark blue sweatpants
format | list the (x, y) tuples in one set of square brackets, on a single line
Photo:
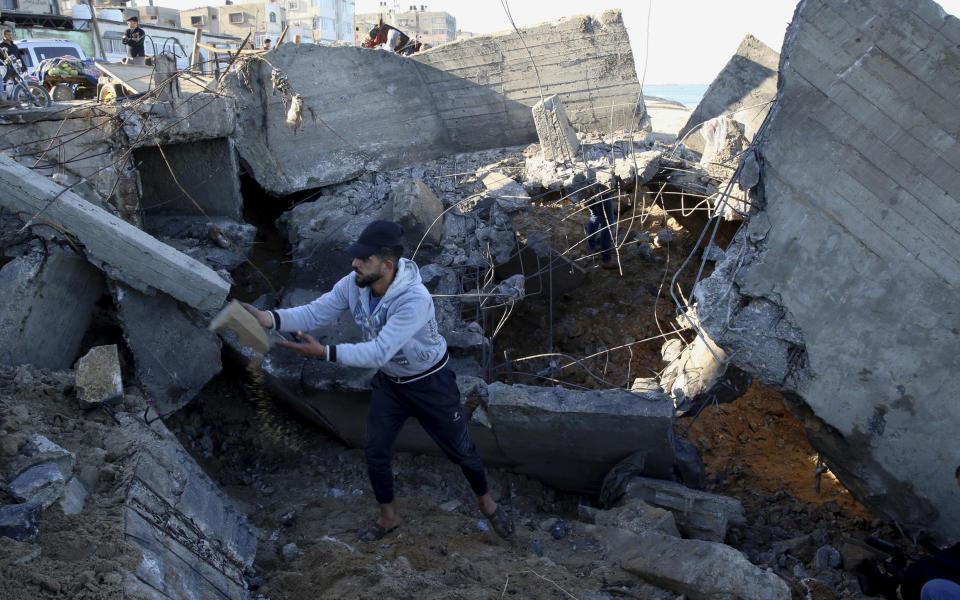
[(435, 402)]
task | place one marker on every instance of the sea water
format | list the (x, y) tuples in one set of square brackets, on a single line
[(688, 94)]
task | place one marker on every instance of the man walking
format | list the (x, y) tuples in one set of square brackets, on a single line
[(8, 48), (133, 39), (396, 315)]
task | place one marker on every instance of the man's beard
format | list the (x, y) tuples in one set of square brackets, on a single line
[(368, 280)]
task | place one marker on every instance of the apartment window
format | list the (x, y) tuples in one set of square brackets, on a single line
[(258, 40), (8, 5), (112, 43), (439, 19), (273, 17), (196, 20), (316, 23), (236, 17), (292, 6)]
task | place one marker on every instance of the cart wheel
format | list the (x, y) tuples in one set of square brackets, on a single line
[(109, 93), (84, 92), (62, 91)]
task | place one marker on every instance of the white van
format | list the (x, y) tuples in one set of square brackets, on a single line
[(36, 50)]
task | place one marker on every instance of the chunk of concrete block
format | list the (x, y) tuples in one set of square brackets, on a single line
[(173, 360), (74, 497), (700, 515), (637, 516), (558, 140), (418, 210), (121, 250), (237, 319), (21, 522), (42, 483), (693, 371), (38, 449), (744, 90), (638, 168), (49, 298), (506, 192), (700, 570), (553, 431), (98, 376)]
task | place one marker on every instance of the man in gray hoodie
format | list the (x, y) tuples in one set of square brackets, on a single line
[(395, 313)]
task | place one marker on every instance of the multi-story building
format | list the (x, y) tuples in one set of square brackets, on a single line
[(263, 20), (153, 15), (327, 20), (431, 26)]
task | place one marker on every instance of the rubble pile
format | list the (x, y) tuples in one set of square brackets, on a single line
[(151, 439)]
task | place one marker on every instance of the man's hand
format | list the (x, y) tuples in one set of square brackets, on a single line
[(263, 317), (309, 346)]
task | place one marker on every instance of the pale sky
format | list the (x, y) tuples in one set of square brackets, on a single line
[(689, 40)]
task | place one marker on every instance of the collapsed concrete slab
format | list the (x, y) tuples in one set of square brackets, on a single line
[(463, 96), (744, 91), (175, 359), (698, 569), (117, 248), (558, 140), (50, 299), (843, 291)]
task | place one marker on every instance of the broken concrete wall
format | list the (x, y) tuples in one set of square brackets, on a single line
[(371, 110), (843, 292), (584, 60), (47, 306), (744, 90)]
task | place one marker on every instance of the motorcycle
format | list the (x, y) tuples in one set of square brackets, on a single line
[(24, 94)]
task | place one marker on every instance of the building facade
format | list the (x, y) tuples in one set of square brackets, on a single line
[(327, 20), (431, 26), (263, 20)]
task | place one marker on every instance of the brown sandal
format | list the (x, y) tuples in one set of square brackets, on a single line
[(502, 523)]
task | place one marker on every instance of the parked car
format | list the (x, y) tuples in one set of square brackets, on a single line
[(36, 50)]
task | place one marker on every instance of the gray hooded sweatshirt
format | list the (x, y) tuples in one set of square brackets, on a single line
[(400, 337)]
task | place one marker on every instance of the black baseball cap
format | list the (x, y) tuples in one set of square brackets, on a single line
[(376, 235)]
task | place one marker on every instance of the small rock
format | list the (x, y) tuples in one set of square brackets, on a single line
[(403, 563), (288, 519), (559, 529), (98, 376), (21, 522), (482, 526), (290, 552), (74, 497), (334, 493), (450, 505), (827, 557)]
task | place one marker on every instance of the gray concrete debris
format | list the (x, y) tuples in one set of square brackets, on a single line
[(827, 557), (509, 194), (175, 360), (536, 426), (290, 552), (38, 449), (194, 542), (122, 251), (558, 140), (418, 210), (639, 167), (744, 90), (21, 522), (98, 376), (218, 242), (74, 497), (482, 90), (49, 298), (700, 515), (42, 483), (848, 284), (634, 515), (700, 570)]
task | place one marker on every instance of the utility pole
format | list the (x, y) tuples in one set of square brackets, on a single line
[(96, 29)]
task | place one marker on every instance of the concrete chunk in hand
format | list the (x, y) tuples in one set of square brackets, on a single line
[(237, 319)]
